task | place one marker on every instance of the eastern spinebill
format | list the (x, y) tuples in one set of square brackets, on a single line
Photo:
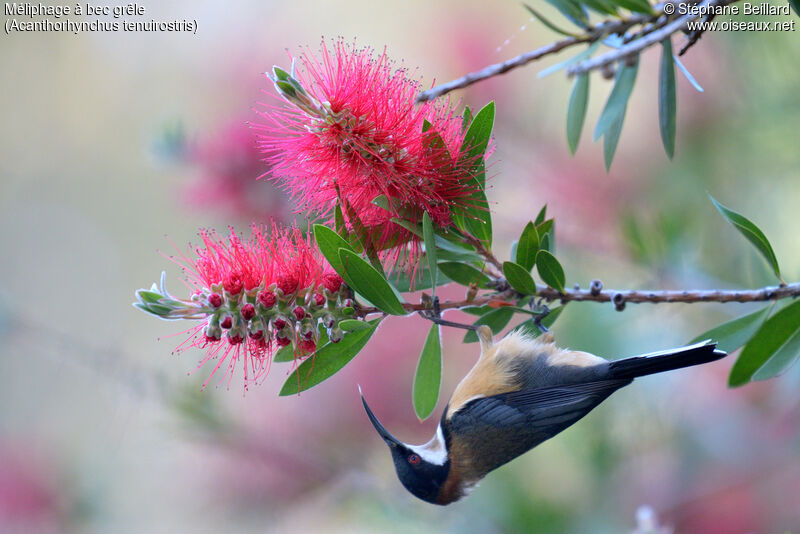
[(521, 392)]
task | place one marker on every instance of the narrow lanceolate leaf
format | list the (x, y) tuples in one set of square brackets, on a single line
[(542, 215), (353, 325), (602, 6), (576, 111), (478, 135), (538, 16), (774, 348), (496, 320), (617, 100), (428, 377), (284, 354), (611, 139), (365, 279), (795, 6), (527, 247), (735, 333), (519, 278), (463, 274), (430, 247), (667, 99), (329, 243), (327, 361), (572, 10), (752, 233), (637, 6), (466, 118), (550, 270)]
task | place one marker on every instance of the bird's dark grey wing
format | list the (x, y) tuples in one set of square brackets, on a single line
[(495, 430)]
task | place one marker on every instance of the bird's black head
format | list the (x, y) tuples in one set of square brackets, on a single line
[(421, 469)]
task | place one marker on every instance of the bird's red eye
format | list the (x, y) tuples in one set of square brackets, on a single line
[(413, 459)]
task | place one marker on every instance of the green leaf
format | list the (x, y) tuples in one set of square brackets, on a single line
[(541, 216), (353, 325), (795, 6), (463, 274), (422, 280), (605, 7), (428, 378), (478, 135), (466, 118), (519, 278), (611, 139), (617, 101), (284, 354), (735, 333), (667, 99), (364, 278), (430, 248), (547, 235), (550, 270), (329, 243), (477, 219), (530, 328), (774, 348), (538, 16), (527, 247), (572, 10), (496, 320), (327, 361), (752, 233), (338, 222), (637, 6), (576, 111)]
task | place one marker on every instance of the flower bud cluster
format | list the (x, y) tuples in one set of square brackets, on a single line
[(281, 313)]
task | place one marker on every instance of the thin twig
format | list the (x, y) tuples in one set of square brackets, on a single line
[(618, 297)]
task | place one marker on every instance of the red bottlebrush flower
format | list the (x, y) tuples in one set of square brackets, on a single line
[(249, 271), (353, 133)]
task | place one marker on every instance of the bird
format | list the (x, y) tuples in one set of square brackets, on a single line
[(522, 391)]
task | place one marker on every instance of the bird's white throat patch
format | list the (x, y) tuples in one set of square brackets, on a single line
[(435, 451)]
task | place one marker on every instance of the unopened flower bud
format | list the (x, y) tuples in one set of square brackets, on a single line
[(287, 283), (235, 339), (328, 320), (227, 322), (282, 341), (308, 346), (319, 300), (332, 282), (348, 303), (248, 311), (279, 323), (267, 299), (299, 312), (258, 334), (335, 335), (215, 300)]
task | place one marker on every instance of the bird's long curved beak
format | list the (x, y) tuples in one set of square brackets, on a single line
[(390, 440)]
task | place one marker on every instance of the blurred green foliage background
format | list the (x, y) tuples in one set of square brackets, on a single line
[(101, 429)]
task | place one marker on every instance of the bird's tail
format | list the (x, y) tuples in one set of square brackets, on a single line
[(658, 362)]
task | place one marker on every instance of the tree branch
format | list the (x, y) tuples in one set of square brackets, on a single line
[(618, 297), (657, 24), (634, 47)]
